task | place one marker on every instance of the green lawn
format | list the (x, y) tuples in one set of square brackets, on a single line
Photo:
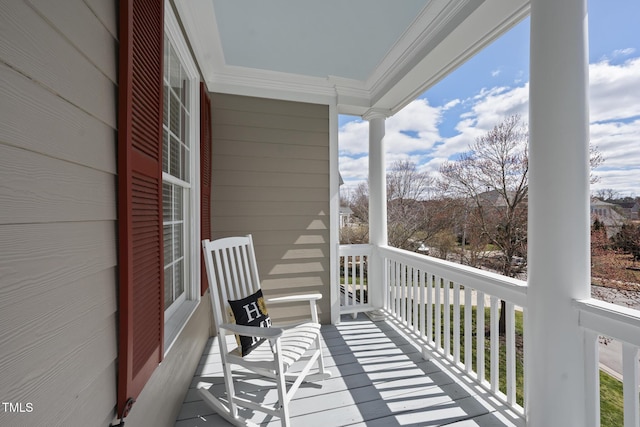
[(611, 401)]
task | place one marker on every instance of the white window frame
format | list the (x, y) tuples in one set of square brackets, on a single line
[(178, 314)]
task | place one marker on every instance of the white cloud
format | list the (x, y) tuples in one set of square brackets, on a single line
[(623, 181), (413, 132), (408, 134), (623, 52), (414, 128), (490, 107), (615, 124), (614, 90), (449, 105), (354, 168), (493, 108), (619, 143), (615, 121), (354, 137)]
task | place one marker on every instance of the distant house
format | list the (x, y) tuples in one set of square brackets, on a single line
[(629, 209), (607, 214), (495, 199), (345, 216)]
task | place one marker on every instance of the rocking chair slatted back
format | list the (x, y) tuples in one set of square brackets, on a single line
[(235, 273)]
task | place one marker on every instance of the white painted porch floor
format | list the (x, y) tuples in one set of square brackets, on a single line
[(379, 379)]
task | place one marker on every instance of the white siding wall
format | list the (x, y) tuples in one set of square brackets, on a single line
[(271, 179), (57, 211)]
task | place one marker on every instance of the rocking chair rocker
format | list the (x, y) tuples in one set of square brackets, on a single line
[(270, 352)]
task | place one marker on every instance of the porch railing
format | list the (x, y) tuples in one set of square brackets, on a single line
[(453, 311), (603, 319), (354, 273)]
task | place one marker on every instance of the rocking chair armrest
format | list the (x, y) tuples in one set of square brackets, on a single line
[(294, 298), (253, 331)]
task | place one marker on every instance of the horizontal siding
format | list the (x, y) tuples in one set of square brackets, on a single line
[(41, 52), (93, 401), (104, 12), (273, 119), (37, 258), (271, 150), (258, 222), (275, 165), (36, 119), (270, 207), (267, 194), (51, 313), (58, 265), (50, 367), (40, 189), (246, 178), (83, 29), (276, 237), (273, 136), (271, 179)]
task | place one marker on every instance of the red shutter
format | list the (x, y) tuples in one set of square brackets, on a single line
[(205, 176), (140, 260)]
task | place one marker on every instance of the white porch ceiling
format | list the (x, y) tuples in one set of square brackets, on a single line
[(345, 39), (358, 54)]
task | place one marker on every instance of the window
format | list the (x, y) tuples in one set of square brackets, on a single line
[(180, 195), (176, 192)]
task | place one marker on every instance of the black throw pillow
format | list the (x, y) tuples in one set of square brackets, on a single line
[(250, 311)]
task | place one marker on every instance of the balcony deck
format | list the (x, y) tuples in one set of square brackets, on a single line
[(379, 379)]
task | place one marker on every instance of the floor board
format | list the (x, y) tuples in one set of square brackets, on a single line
[(379, 379)]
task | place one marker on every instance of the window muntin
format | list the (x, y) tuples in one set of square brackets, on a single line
[(174, 239), (176, 142)]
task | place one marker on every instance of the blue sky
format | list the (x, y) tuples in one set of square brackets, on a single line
[(442, 122)]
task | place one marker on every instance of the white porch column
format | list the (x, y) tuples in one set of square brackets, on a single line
[(377, 204), (558, 234)]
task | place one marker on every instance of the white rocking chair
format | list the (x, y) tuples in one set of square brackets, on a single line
[(233, 275)]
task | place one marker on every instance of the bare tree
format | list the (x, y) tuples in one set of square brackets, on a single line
[(411, 218), (606, 194), (407, 188), (493, 179), (359, 202), (595, 159), (357, 231), (405, 182)]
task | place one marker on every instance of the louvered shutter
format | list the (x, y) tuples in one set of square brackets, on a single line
[(140, 260), (205, 177)]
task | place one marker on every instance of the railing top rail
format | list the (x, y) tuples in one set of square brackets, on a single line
[(503, 287), (361, 249), (612, 320)]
